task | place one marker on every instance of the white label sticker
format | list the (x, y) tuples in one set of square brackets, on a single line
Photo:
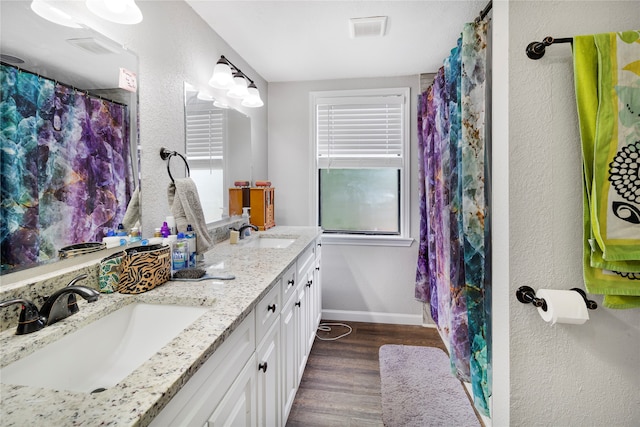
[(128, 80)]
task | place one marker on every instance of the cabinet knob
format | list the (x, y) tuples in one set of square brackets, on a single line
[(309, 283), (318, 268), (298, 304), (262, 367), (271, 307), (291, 282)]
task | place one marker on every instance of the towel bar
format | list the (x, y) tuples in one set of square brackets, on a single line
[(167, 155), (535, 50)]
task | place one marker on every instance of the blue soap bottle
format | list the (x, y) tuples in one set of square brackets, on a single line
[(190, 235), (180, 254)]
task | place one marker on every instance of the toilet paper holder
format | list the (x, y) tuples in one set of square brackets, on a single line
[(526, 295)]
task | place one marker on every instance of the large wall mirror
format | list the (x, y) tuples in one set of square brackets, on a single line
[(69, 136), (218, 147)]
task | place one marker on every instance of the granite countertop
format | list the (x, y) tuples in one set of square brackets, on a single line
[(137, 399)]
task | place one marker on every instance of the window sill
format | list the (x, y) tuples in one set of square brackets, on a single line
[(358, 240)]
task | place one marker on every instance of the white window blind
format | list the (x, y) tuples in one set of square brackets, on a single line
[(205, 135), (360, 131)]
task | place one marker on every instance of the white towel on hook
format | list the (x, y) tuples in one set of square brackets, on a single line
[(186, 208), (132, 214)]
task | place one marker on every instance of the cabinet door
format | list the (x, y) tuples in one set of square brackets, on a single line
[(289, 366), (300, 312), (238, 408), (268, 311), (269, 374), (288, 283), (206, 389), (311, 310), (317, 288)]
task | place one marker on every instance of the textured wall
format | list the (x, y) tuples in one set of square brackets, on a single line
[(377, 279), (564, 374), (173, 46)]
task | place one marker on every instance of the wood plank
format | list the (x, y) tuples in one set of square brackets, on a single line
[(341, 383)]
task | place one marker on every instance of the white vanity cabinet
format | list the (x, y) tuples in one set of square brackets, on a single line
[(204, 400), (252, 378)]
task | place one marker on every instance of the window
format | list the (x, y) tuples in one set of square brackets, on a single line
[(205, 141), (361, 154)]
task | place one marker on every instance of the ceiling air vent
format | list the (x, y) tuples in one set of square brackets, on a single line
[(372, 26), (90, 44)]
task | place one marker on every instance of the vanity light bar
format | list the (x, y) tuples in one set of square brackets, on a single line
[(227, 76)]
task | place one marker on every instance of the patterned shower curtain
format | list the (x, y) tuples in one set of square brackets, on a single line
[(453, 261), (67, 174)]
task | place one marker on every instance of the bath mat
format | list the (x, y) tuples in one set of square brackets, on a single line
[(419, 390)]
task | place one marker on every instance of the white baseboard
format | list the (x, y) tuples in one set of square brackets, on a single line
[(371, 317)]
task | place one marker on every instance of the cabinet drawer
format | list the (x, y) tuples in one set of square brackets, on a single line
[(288, 284), (267, 311)]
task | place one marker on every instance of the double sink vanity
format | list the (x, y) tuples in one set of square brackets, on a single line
[(197, 353)]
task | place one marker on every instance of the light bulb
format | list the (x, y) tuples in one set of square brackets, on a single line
[(221, 78), (239, 89), (253, 98), (220, 104), (52, 14), (202, 96), (118, 11), (116, 6)]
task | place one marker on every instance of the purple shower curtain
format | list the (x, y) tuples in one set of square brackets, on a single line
[(452, 274), (66, 167)]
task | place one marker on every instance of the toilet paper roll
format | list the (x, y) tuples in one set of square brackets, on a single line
[(563, 307)]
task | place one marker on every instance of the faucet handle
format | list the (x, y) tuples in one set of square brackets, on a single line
[(30, 319), (72, 302)]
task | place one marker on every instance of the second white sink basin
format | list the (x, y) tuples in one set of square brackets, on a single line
[(270, 242), (103, 353)]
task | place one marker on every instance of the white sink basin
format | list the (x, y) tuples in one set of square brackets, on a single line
[(270, 242), (104, 352)]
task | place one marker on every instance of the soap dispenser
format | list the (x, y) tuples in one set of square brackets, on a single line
[(245, 217)]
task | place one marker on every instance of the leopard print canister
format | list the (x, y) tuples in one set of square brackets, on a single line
[(143, 269)]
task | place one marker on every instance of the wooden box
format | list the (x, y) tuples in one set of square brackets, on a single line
[(238, 199), (261, 202), (262, 207)]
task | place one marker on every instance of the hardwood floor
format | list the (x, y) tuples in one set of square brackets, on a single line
[(341, 383)]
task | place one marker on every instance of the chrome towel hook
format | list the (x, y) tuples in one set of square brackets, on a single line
[(166, 154)]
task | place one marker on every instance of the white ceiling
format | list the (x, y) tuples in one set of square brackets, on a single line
[(299, 40), (46, 48)]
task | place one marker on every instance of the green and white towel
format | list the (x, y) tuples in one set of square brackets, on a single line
[(607, 76)]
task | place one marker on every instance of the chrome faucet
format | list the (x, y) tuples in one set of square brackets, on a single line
[(244, 227), (57, 307)]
